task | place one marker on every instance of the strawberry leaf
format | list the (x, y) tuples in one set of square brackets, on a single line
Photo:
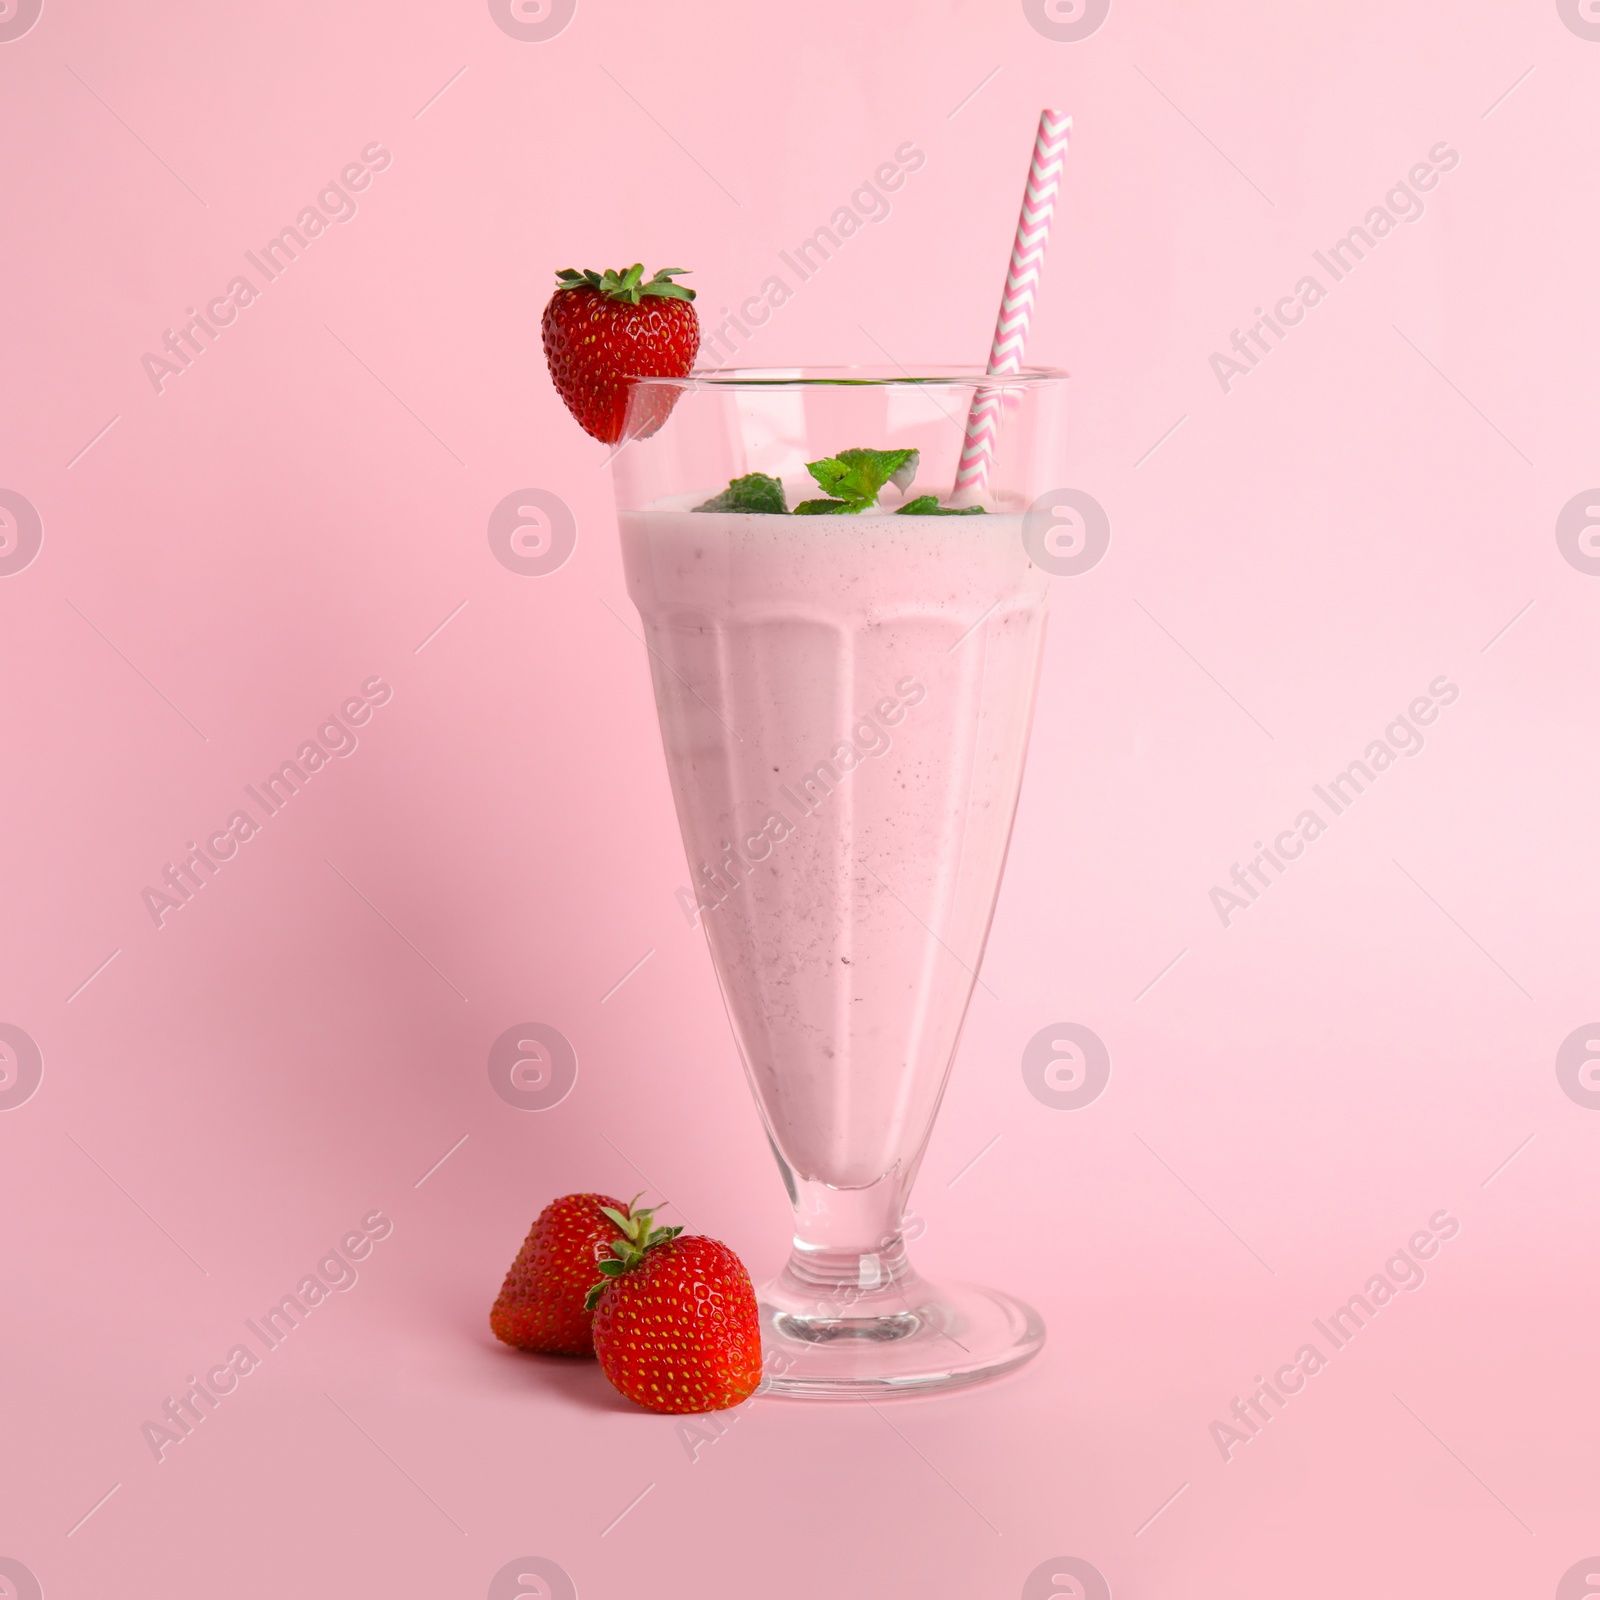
[(663, 285), (628, 285)]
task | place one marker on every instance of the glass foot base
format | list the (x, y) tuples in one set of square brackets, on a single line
[(926, 1338)]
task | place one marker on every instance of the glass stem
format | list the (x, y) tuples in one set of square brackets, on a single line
[(849, 1249)]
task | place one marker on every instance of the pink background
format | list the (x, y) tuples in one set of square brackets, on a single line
[(300, 1045)]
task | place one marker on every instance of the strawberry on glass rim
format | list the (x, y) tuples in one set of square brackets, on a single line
[(603, 329)]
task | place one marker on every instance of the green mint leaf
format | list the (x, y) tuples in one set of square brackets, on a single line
[(857, 476), (825, 508), (755, 491), (903, 474), (927, 505)]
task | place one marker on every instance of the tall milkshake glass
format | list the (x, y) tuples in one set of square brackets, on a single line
[(845, 703)]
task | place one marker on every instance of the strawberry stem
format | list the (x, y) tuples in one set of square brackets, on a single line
[(639, 1236)]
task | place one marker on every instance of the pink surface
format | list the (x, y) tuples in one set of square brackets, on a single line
[(1295, 559)]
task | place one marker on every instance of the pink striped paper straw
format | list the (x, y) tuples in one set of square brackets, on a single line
[(1016, 304)]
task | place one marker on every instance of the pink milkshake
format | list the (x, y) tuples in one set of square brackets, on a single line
[(845, 703)]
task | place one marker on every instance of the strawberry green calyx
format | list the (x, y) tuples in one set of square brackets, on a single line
[(639, 1236), (630, 285)]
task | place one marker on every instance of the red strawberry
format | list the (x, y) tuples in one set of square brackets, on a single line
[(600, 330), (675, 1322), (541, 1306)]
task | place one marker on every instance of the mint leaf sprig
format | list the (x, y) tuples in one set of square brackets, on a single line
[(852, 481), (927, 505), (755, 491)]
